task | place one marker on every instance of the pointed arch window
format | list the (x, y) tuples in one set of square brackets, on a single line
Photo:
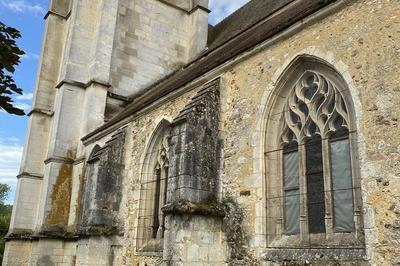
[(153, 192), (316, 117), (160, 192), (313, 186)]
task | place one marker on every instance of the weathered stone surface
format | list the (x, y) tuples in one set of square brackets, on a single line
[(359, 38), (193, 172), (103, 190)]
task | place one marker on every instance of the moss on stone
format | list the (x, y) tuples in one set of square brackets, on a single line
[(209, 207)]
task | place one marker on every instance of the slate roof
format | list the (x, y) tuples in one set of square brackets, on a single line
[(245, 17), (252, 24)]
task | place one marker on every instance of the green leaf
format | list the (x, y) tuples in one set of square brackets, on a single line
[(10, 55)]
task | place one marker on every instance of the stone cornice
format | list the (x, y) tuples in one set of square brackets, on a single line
[(81, 84), (51, 12), (29, 175), (118, 97), (41, 111), (195, 8), (245, 41), (59, 159), (79, 160), (212, 208)]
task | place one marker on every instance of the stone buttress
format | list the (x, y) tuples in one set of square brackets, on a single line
[(95, 58)]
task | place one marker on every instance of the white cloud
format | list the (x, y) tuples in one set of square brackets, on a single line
[(24, 106), (220, 9), (23, 6), (32, 56), (25, 97), (10, 159), (23, 101)]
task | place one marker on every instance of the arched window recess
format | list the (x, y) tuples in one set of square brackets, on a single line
[(313, 197), (153, 191)]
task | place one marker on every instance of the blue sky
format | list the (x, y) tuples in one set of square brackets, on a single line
[(27, 17)]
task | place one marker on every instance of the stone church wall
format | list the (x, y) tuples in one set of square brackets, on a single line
[(361, 41), (347, 41)]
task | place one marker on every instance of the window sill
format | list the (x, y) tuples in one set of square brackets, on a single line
[(152, 248), (315, 254)]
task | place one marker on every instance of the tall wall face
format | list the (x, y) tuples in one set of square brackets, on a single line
[(370, 69), (346, 40), (193, 210), (154, 39), (83, 50)]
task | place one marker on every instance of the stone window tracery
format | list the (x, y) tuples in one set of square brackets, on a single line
[(160, 193), (313, 187), (153, 192), (315, 115)]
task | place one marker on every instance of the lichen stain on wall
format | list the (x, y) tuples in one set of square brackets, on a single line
[(61, 196), (79, 200)]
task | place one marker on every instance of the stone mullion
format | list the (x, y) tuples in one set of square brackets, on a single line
[(328, 189), (355, 171), (157, 201), (281, 215), (146, 212), (304, 232), (162, 201)]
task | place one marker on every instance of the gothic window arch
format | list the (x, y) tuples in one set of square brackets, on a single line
[(153, 191), (89, 187), (312, 178)]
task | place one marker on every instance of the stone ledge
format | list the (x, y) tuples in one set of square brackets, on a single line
[(62, 232), (59, 159), (41, 111), (315, 254), (51, 12), (98, 230), (47, 231), (56, 231), (187, 11), (19, 234), (81, 84), (30, 175), (209, 208)]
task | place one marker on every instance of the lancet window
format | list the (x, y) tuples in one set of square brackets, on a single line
[(160, 192), (153, 192)]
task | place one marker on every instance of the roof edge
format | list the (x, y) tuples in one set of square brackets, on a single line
[(262, 31)]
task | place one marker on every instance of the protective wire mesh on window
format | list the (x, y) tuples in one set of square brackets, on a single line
[(151, 224), (315, 110)]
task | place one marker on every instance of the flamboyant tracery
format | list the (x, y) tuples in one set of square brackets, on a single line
[(316, 157)]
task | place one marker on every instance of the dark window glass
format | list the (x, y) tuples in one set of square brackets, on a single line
[(164, 200), (315, 186), (156, 209), (342, 184), (291, 189)]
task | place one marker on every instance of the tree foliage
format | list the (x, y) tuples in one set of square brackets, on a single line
[(5, 217), (10, 56)]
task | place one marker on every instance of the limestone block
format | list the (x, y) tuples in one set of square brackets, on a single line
[(26, 204)]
